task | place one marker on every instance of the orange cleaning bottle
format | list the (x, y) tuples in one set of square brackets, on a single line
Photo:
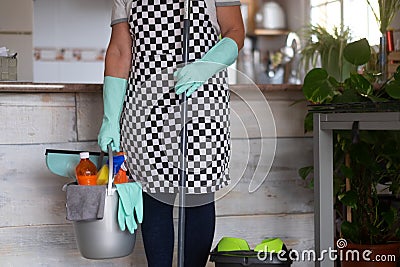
[(121, 177), (86, 171)]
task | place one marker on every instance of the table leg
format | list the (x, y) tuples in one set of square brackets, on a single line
[(323, 193)]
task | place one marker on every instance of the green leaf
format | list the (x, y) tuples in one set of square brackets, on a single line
[(371, 137), (350, 231), (377, 99), (362, 85), (349, 95), (317, 87), (308, 123), (347, 172), (306, 171), (397, 74), (389, 216), (393, 89), (333, 81), (358, 52), (361, 153), (349, 199)]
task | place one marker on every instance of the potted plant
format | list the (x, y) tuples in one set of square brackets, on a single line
[(362, 160), (327, 48)]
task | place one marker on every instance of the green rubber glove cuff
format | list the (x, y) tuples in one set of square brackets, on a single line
[(114, 90), (225, 52), (194, 75)]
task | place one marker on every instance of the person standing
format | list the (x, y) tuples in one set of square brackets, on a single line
[(143, 80)]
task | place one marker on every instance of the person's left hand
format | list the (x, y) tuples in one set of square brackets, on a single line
[(194, 75)]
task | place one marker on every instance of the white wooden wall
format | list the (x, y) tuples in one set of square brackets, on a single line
[(33, 228)]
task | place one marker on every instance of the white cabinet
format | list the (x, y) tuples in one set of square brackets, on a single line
[(16, 15), (70, 39), (16, 25)]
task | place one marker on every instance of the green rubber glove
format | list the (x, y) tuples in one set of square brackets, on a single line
[(130, 204), (194, 75), (114, 90)]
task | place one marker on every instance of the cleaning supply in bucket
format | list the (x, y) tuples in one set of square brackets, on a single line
[(86, 171), (121, 176), (118, 159), (85, 203), (119, 171), (102, 175), (93, 210)]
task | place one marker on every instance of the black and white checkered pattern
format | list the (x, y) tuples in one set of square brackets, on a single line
[(151, 121)]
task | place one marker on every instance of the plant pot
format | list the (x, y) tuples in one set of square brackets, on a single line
[(385, 255)]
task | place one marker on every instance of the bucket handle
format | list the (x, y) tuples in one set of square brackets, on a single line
[(110, 170)]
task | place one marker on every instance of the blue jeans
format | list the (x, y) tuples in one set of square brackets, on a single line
[(158, 230)]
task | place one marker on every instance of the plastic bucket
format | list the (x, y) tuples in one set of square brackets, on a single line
[(102, 239), (96, 239)]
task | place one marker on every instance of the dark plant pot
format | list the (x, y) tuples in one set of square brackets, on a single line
[(385, 255)]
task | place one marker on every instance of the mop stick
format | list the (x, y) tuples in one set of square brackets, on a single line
[(183, 144)]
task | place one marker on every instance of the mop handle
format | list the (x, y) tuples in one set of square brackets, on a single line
[(183, 144), (110, 170)]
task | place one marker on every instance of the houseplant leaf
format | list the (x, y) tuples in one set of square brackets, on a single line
[(349, 95), (305, 171), (358, 52), (336, 66), (393, 89), (317, 86), (308, 122), (397, 74), (362, 85), (349, 198), (389, 216), (347, 172), (350, 231)]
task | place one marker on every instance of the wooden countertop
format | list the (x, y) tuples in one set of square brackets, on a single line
[(29, 87)]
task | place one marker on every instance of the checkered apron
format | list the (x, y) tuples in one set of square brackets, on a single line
[(151, 120)]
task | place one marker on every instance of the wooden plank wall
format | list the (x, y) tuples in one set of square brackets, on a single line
[(33, 228)]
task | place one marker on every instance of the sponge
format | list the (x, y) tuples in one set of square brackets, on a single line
[(102, 175)]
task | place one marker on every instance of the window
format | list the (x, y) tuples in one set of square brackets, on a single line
[(355, 14)]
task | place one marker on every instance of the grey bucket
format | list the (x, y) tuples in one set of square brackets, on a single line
[(103, 239)]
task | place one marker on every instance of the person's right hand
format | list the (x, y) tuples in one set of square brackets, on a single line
[(109, 134), (113, 99)]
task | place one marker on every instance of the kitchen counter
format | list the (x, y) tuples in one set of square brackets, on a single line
[(77, 110), (29, 87), (267, 138)]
